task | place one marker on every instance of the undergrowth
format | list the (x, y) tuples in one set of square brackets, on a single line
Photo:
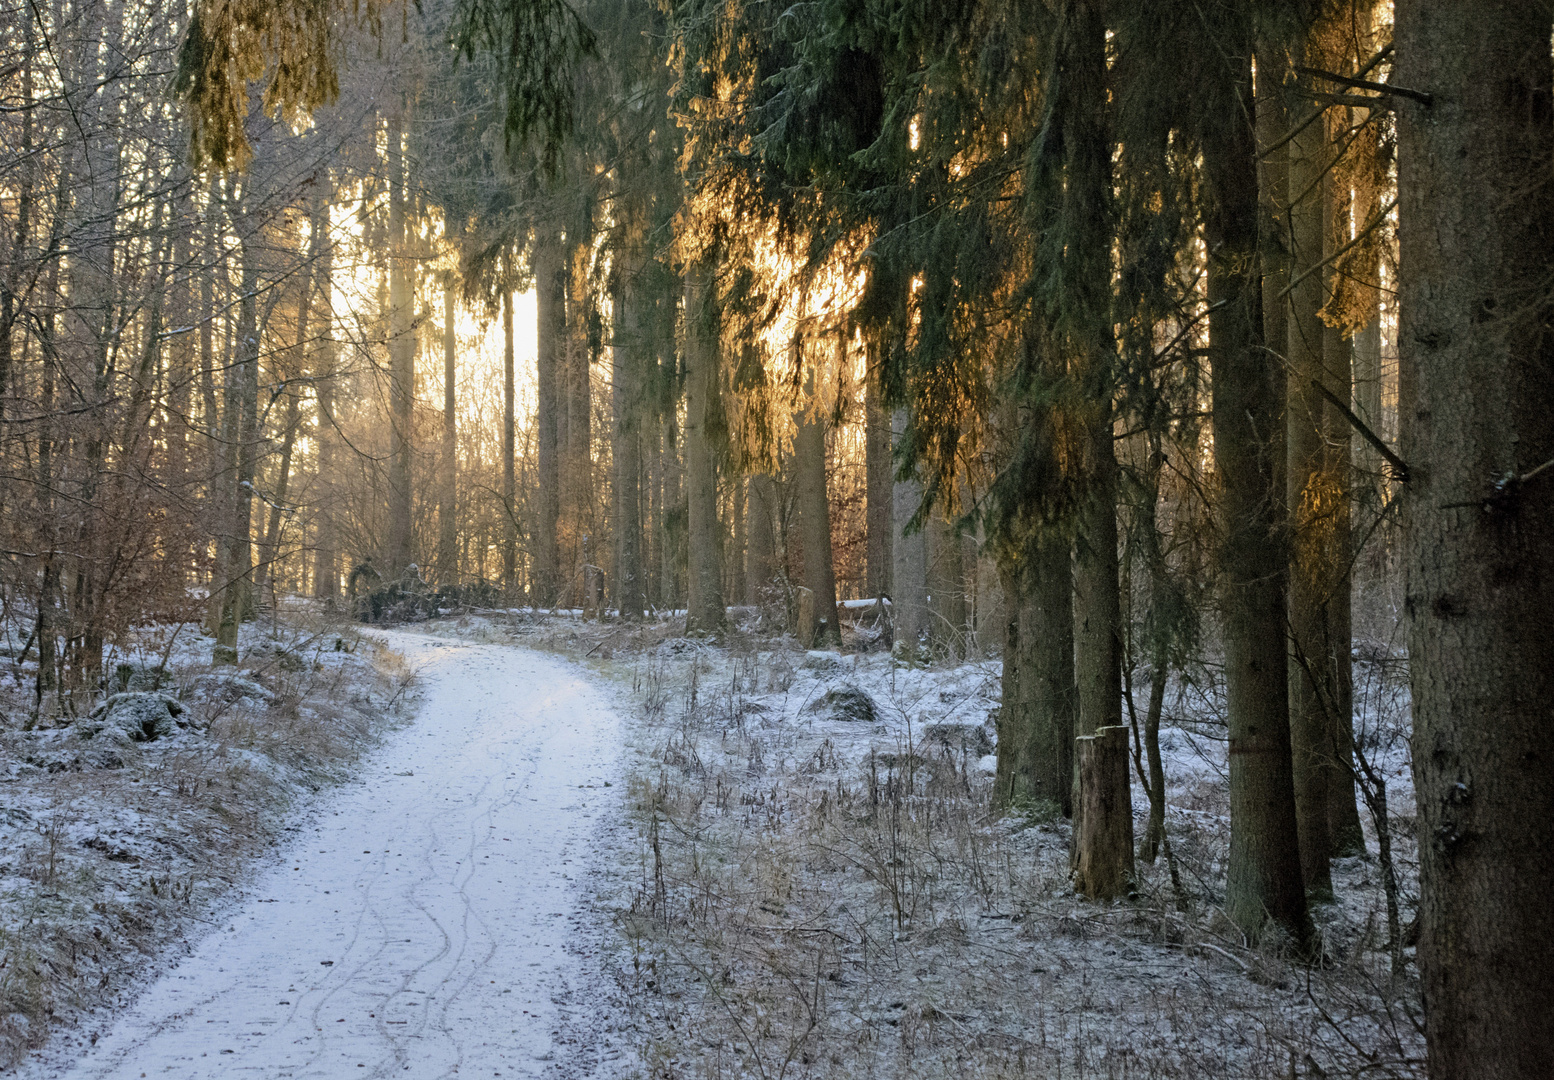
[(821, 898)]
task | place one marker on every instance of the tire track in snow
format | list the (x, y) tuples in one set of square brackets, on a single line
[(417, 924)]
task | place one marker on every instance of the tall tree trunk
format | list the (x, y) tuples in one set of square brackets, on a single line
[(1157, 644), (93, 304), (270, 552), (673, 512), (178, 406), (1344, 835), (761, 531), (879, 514), (577, 434), (818, 626), (550, 284), (652, 497), (946, 588), (1367, 405), (1103, 848), (1103, 810), (1476, 256), (448, 489), (326, 564), (626, 355), (1264, 880), (234, 563), (909, 557), (1036, 720), (218, 446), (48, 591), (734, 569), (1311, 501), (402, 349), (10, 304), (705, 612), (293, 420), (509, 449)]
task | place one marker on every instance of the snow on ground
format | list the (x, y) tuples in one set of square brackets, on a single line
[(736, 859), (818, 889), (119, 840), (426, 920)]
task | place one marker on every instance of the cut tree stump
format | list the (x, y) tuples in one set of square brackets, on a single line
[(1103, 866)]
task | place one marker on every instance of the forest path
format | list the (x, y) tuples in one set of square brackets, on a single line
[(417, 923)]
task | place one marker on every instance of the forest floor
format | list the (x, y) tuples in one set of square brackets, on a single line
[(420, 920), (618, 852), (121, 834), (817, 888)]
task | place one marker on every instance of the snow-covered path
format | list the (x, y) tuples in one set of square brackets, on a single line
[(417, 924)]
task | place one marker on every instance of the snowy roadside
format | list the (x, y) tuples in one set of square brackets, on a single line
[(815, 887), (428, 918), (123, 834), (751, 860)]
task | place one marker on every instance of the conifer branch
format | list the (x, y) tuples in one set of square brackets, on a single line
[(1370, 227)]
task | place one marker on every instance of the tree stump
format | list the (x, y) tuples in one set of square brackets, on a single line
[(1103, 866), (804, 622), (593, 591)]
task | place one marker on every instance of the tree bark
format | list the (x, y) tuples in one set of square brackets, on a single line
[(879, 513), (270, 553), (1264, 880), (550, 284), (448, 489), (1344, 835), (1476, 256), (1103, 844), (1105, 870), (818, 627), (705, 613), (1311, 500), (761, 534), (48, 590), (326, 565), (626, 353), (293, 421), (509, 449), (402, 349), (672, 501), (946, 588), (10, 303), (1158, 645), (576, 436), (909, 558), (234, 564), (734, 568), (1036, 720), (1370, 491)]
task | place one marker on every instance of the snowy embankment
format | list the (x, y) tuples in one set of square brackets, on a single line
[(123, 829), (424, 919)]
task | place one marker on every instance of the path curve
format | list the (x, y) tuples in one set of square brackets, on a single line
[(417, 924)]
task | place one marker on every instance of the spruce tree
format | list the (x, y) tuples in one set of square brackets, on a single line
[(1476, 256)]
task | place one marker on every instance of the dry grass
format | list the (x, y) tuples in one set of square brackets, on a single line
[(101, 869), (813, 898)]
